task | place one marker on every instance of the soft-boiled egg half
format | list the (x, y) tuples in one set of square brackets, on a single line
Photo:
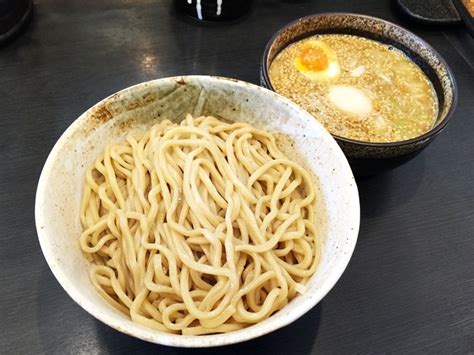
[(317, 61), (350, 100)]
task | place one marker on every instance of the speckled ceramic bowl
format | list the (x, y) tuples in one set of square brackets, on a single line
[(369, 158), (136, 108)]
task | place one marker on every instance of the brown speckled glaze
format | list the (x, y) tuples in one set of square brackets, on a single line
[(383, 155)]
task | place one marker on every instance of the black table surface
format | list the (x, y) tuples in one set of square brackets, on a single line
[(410, 284)]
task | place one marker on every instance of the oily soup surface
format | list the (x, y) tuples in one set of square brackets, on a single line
[(356, 87)]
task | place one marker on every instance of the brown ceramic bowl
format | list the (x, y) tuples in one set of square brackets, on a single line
[(368, 158)]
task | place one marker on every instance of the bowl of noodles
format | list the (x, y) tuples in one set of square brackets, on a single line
[(197, 211)]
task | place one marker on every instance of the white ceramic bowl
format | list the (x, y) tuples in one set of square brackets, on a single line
[(60, 187)]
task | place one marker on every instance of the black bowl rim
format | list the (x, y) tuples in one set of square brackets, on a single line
[(425, 136)]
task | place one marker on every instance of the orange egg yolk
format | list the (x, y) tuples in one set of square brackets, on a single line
[(313, 58)]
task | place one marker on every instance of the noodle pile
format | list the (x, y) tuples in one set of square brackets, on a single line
[(199, 228)]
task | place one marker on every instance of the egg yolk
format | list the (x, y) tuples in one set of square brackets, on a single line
[(313, 58), (317, 61)]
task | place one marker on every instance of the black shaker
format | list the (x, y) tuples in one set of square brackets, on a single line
[(214, 10)]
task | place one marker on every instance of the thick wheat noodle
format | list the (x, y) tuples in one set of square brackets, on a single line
[(199, 228)]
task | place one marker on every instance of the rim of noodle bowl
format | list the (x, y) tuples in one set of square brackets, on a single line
[(125, 325)]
